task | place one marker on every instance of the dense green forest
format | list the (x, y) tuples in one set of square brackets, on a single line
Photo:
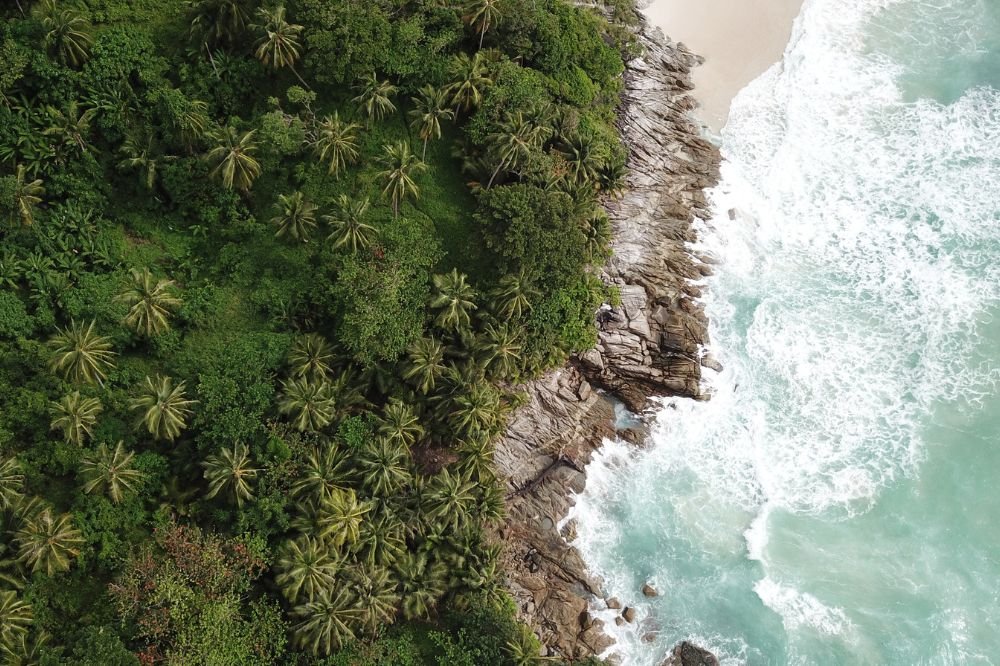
[(269, 276)]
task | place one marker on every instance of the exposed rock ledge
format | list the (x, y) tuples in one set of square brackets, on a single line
[(648, 345)]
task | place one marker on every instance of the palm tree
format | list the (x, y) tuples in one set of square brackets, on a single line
[(47, 542), (234, 162), (376, 594), (306, 568), (341, 515), (24, 651), (597, 228), (11, 484), (477, 456), (218, 22), (67, 32), (279, 46), (109, 471), (80, 355), (310, 402), (611, 178), (514, 142), (382, 541), (400, 424), (524, 649), (75, 416), (70, 127), (296, 216), (374, 98), (469, 81), (327, 469), (501, 347), (584, 164), (15, 617), (492, 504), (383, 467), (150, 303), (477, 410), (311, 357), (165, 407), (401, 166), (349, 230), (142, 156), (27, 194), (513, 295), (336, 142), (325, 624), (451, 498), (483, 14), (425, 364), (230, 473), (429, 109), (420, 584), (453, 296)]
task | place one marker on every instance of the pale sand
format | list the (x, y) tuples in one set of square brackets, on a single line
[(739, 40)]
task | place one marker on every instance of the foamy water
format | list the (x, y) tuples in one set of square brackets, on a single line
[(834, 502)]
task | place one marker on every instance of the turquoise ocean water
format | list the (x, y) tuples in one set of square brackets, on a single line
[(838, 501)]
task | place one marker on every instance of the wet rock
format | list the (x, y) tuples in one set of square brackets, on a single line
[(613, 603), (628, 614), (649, 591), (689, 654)]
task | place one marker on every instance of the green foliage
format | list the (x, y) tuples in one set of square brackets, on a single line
[(263, 264), (382, 298)]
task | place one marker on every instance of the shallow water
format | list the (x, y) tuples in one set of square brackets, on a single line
[(835, 502)]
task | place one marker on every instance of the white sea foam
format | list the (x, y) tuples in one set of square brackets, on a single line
[(852, 284)]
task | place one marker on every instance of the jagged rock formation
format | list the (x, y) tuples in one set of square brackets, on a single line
[(649, 344)]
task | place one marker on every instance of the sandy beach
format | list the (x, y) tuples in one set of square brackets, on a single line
[(739, 39)]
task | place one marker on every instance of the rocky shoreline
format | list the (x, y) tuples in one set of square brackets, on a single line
[(651, 344)]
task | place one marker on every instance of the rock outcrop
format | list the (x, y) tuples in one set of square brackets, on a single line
[(649, 344)]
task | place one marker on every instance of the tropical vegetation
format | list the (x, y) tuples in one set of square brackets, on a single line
[(271, 272)]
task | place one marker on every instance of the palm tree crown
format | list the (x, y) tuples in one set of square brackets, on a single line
[(325, 624), (11, 483), (150, 303), (426, 364), (305, 568), (401, 165), (295, 217), (229, 472), (337, 143), (75, 416), (453, 296), (482, 15), (47, 542), (513, 296), (164, 407), (430, 107), (309, 402), (469, 81), (27, 195), (80, 355), (311, 356), (235, 164), (109, 471), (67, 31), (279, 46), (349, 229), (375, 98)]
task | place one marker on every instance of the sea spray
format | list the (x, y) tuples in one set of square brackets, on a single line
[(833, 502)]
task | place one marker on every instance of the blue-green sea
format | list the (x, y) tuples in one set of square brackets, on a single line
[(838, 500)]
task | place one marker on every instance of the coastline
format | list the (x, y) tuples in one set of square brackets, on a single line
[(649, 345)]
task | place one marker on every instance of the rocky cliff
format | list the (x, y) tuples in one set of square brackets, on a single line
[(650, 344)]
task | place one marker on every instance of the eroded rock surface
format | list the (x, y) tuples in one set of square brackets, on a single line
[(649, 344)]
